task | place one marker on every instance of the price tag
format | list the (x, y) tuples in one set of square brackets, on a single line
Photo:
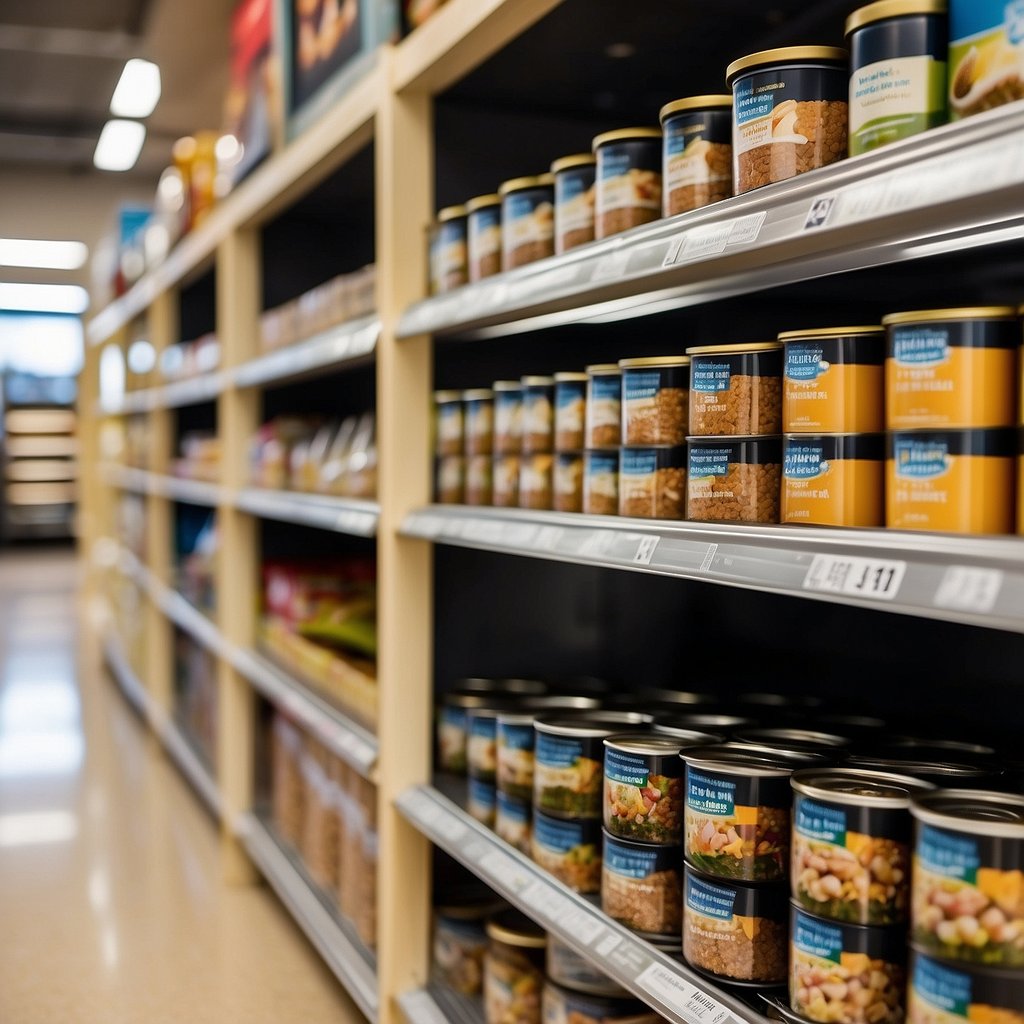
[(859, 577), (709, 558), (705, 241), (678, 993), (607, 944), (745, 230), (645, 550), (969, 589)]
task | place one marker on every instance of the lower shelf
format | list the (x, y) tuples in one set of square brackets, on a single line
[(439, 1005), (675, 991), (350, 962)]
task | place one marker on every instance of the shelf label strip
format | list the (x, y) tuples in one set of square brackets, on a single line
[(877, 579)]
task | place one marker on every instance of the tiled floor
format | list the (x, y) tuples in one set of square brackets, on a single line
[(112, 908)]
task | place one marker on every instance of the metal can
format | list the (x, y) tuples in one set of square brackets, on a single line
[(833, 479), (652, 482), (478, 430), (567, 482), (570, 970), (574, 200), (951, 993), (985, 53), (483, 218), (655, 400), (508, 417), (538, 414), (628, 182), (570, 411), (641, 885), (697, 153), (643, 788), (535, 481), (527, 220), (513, 969), (601, 482), (451, 256), (449, 421), (735, 389), (604, 406), (794, 739), (737, 479), (570, 850)]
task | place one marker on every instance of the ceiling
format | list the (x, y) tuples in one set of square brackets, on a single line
[(60, 61)]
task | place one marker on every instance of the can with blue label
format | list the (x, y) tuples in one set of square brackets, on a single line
[(955, 993), (601, 482), (449, 252), (483, 219), (652, 482), (697, 167), (833, 479), (968, 893), (641, 885), (570, 411), (568, 850), (734, 479), (527, 220), (643, 788), (628, 183), (574, 200), (734, 931), (951, 481), (846, 973)]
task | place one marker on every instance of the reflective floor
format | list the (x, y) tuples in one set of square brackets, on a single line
[(112, 908)]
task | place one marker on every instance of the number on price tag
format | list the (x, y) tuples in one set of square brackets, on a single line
[(969, 589), (678, 993), (645, 550), (858, 577)]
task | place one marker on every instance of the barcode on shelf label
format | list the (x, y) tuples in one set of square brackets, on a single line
[(645, 550), (745, 230), (679, 994), (713, 239), (969, 589), (859, 577)]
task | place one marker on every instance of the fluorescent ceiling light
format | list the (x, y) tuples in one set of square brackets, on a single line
[(138, 90), (42, 254), (119, 146), (43, 298)]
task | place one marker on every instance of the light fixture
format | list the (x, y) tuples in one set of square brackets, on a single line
[(119, 145), (42, 254), (138, 89), (43, 298)]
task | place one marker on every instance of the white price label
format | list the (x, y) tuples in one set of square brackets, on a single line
[(969, 589), (709, 558), (745, 230), (858, 577), (537, 896), (681, 995), (645, 550), (713, 239), (607, 944)]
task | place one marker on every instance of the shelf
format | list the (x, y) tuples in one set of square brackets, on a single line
[(346, 958), (438, 1005), (339, 733), (342, 515), (177, 746), (948, 189), (347, 345), (141, 481), (978, 580), (670, 987), (344, 129), (193, 391)]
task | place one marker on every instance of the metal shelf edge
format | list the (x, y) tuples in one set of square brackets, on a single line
[(340, 954), (670, 987), (973, 580), (344, 737), (341, 515)]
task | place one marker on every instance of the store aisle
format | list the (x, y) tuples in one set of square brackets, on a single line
[(111, 902)]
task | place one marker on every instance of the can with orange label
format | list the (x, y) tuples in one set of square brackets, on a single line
[(951, 368), (952, 481), (833, 380), (833, 479)]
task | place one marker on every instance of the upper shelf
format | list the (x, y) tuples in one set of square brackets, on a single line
[(977, 580), (944, 190)]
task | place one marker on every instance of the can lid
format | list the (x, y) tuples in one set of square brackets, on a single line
[(516, 184), (597, 724), (528, 710), (536, 382), (450, 213), (708, 350), (967, 313), (954, 748), (623, 135), (467, 699), (750, 759), (982, 811), (786, 55), (674, 720), (831, 332), (576, 160), (795, 739), (631, 364), (477, 394), (644, 743), (892, 9), (479, 202), (600, 369), (516, 929), (921, 768), (569, 376), (860, 788), (693, 103), (443, 397), (507, 385)]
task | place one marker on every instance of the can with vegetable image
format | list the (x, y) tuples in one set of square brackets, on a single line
[(568, 760), (643, 788), (737, 812), (942, 993), (568, 850), (851, 844), (513, 821), (968, 888)]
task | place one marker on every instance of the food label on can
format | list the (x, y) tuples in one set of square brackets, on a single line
[(630, 862), (516, 737), (449, 422), (921, 459), (536, 414), (709, 900), (984, 58), (920, 346), (817, 938), (574, 200), (949, 855), (556, 835), (528, 219), (638, 464), (479, 419), (482, 799), (805, 361), (641, 387), (451, 251), (707, 795), (604, 465), (557, 751), (570, 402), (516, 811), (687, 155), (818, 821), (946, 989), (485, 232), (804, 461), (894, 99), (624, 185), (711, 375), (630, 770), (705, 463)]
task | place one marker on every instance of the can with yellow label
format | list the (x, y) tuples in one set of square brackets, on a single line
[(951, 368), (833, 479), (833, 380), (952, 481)]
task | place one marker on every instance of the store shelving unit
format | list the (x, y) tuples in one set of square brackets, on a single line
[(948, 193)]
